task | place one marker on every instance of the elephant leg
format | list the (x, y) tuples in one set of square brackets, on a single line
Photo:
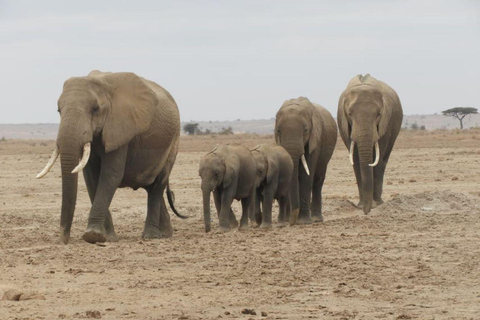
[(317, 215), (111, 175), (233, 220), (217, 198), (246, 208), (282, 211), (258, 210), (225, 214), (288, 208), (305, 189), (267, 207), (379, 172), (157, 223), (91, 174)]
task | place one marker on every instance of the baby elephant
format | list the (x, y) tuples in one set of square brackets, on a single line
[(274, 175), (229, 172)]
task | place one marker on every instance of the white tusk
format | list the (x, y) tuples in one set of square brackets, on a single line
[(305, 166), (377, 155), (352, 145), (49, 164), (83, 162)]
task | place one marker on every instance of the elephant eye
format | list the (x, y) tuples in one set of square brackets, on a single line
[(95, 108)]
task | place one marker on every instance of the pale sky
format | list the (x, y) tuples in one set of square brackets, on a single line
[(227, 60)]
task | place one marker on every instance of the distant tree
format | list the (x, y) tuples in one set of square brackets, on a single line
[(422, 127), (191, 128), (414, 126), (226, 131), (459, 113)]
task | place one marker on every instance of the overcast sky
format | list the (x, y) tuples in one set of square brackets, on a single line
[(227, 60)]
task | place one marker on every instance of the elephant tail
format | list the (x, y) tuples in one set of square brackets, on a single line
[(171, 197)]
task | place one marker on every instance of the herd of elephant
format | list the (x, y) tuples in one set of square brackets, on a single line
[(123, 131)]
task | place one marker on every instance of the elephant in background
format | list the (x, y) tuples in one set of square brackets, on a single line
[(126, 131), (229, 172), (274, 175), (369, 119), (308, 133)]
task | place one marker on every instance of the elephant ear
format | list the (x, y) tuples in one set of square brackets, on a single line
[(132, 109), (386, 113), (232, 167), (343, 120), (272, 167), (316, 130), (277, 138)]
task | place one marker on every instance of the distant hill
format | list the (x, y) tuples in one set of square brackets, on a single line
[(48, 131)]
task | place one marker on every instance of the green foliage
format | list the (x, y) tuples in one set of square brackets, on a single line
[(191, 128), (226, 131)]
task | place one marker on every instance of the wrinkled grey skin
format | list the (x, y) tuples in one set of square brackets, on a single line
[(133, 126), (229, 172), (304, 128), (274, 175), (369, 111)]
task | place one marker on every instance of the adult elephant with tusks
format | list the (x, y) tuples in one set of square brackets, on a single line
[(308, 132), (369, 119), (126, 131)]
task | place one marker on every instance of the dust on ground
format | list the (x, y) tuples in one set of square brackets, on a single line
[(414, 257)]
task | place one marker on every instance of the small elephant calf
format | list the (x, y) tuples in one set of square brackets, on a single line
[(229, 172), (274, 175)]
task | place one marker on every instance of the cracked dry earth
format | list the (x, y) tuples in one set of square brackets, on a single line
[(414, 257)]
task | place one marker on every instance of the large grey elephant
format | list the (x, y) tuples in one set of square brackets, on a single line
[(309, 133), (274, 175), (126, 131), (369, 119), (229, 172)]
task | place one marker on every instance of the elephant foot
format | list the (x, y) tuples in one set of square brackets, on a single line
[(112, 237), (302, 220), (266, 225), (64, 235), (93, 236), (281, 224), (317, 218), (153, 232), (224, 229), (377, 202), (294, 216), (360, 204), (233, 224)]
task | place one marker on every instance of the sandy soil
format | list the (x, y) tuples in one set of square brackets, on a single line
[(415, 257)]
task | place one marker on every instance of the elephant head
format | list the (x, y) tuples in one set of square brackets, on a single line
[(364, 113), (265, 163), (110, 108), (298, 129), (217, 169)]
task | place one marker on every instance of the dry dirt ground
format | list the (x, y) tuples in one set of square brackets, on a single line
[(415, 257)]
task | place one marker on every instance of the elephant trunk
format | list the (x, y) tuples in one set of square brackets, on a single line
[(365, 152), (296, 150), (206, 210), (70, 142), (69, 160)]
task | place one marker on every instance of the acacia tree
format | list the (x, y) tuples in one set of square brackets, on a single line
[(191, 128), (459, 113)]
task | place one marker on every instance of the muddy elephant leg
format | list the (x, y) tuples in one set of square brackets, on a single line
[(233, 220), (305, 189), (111, 175), (378, 173), (91, 174), (267, 208), (157, 223), (317, 215)]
